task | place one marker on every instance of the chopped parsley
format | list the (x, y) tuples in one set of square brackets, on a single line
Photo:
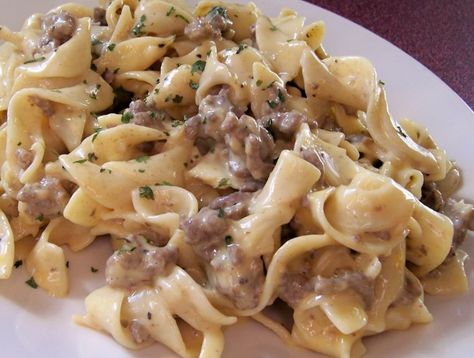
[(280, 99), (220, 213), (126, 117), (224, 182), (93, 269), (143, 159), (179, 16), (31, 282), (259, 83), (91, 157), (141, 170), (97, 131), (228, 240), (401, 132), (198, 66), (170, 11), (177, 99), (18, 263), (177, 123), (273, 104), (146, 192), (218, 10), (95, 42), (167, 183), (40, 217), (273, 28), (93, 94), (138, 28), (102, 170), (193, 85), (111, 46), (382, 83), (80, 161), (37, 59), (242, 47)]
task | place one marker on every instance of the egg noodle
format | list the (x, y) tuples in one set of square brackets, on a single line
[(234, 165)]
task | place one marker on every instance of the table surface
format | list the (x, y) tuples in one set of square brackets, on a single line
[(438, 33)]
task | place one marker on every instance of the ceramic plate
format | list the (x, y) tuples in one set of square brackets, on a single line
[(33, 324)]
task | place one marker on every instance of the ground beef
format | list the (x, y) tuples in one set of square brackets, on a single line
[(46, 199), (137, 262), (57, 28), (250, 147), (145, 115), (411, 291), (462, 216), (295, 286), (138, 332), (431, 196), (238, 278), (99, 16), (284, 124), (233, 206), (210, 26), (24, 157), (45, 105), (205, 232)]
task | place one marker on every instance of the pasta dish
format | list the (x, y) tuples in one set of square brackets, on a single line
[(237, 170)]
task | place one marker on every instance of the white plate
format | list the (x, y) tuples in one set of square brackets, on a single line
[(33, 324)]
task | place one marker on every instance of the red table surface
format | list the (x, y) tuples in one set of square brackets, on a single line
[(438, 33)]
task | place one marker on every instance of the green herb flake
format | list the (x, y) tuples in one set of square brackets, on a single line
[(80, 161), (95, 42), (273, 104), (177, 99), (37, 59), (170, 11), (18, 263), (91, 157), (179, 16), (126, 117), (138, 28), (166, 183), (116, 70), (143, 159), (242, 47), (382, 83), (111, 46), (146, 192), (103, 170), (97, 131), (220, 213), (93, 94), (259, 83), (94, 270), (40, 217), (198, 66), (401, 132), (177, 123), (141, 170), (228, 240), (281, 96), (193, 85), (224, 182), (32, 283), (273, 28), (218, 10)]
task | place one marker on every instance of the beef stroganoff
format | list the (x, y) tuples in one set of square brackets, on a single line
[(233, 164)]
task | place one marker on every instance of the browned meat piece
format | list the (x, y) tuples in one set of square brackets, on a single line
[(99, 16), (45, 105), (357, 281), (141, 114), (240, 279), (462, 216), (210, 26), (57, 29), (205, 232), (284, 123), (212, 112), (431, 196), (411, 291), (293, 288), (137, 262), (46, 199), (138, 332), (233, 206), (24, 157)]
